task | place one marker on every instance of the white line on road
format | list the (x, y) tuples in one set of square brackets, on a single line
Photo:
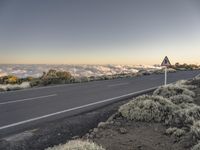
[(119, 84), (75, 108), (27, 99)]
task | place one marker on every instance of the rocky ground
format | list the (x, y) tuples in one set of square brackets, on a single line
[(131, 135)]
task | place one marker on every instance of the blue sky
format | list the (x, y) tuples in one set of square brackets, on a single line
[(99, 31)]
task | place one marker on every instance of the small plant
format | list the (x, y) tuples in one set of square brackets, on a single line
[(10, 87), (172, 90), (180, 118), (175, 131), (77, 145), (195, 129), (182, 98), (196, 147), (185, 84), (148, 108)]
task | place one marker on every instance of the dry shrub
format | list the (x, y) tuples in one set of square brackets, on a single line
[(172, 90), (185, 115), (10, 87), (77, 145), (175, 131), (148, 108), (196, 147), (195, 129), (185, 84), (180, 118), (182, 98), (159, 109)]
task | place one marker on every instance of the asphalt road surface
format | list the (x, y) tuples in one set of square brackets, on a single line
[(20, 110)]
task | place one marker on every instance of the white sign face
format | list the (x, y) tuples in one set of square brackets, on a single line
[(166, 62)]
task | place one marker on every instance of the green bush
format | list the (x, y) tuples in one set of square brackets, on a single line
[(77, 145)]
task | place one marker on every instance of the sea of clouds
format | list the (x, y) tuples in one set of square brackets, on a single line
[(23, 71)]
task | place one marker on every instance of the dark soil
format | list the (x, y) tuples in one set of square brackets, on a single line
[(131, 135)]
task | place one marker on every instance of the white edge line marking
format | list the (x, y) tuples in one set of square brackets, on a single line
[(27, 99), (75, 108)]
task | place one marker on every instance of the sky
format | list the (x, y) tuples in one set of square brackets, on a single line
[(99, 31)]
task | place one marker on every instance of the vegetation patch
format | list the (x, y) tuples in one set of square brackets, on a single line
[(196, 147), (182, 98), (77, 145), (195, 129), (175, 131), (11, 87), (173, 90), (148, 108)]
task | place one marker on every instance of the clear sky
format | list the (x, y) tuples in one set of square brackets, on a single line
[(99, 31)]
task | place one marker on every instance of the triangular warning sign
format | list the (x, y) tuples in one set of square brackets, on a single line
[(166, 62)]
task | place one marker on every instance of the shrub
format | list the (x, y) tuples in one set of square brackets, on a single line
[(186, 115), (35, 82), (196, 147), (2, 90), (10, 79), (77, 145), (195, 129), (172, 90), (9, 87), (175, 131), (180, 118), (185, 84), (148, 108), (182, 98), (194, 112), (55, 77), (159, 109)]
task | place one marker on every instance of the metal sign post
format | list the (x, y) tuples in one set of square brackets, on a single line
[(165, 75), (166, 63)]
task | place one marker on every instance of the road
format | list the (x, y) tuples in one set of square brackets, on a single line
[(20, 110)]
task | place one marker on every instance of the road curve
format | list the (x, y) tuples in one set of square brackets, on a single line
[(20, 110)]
